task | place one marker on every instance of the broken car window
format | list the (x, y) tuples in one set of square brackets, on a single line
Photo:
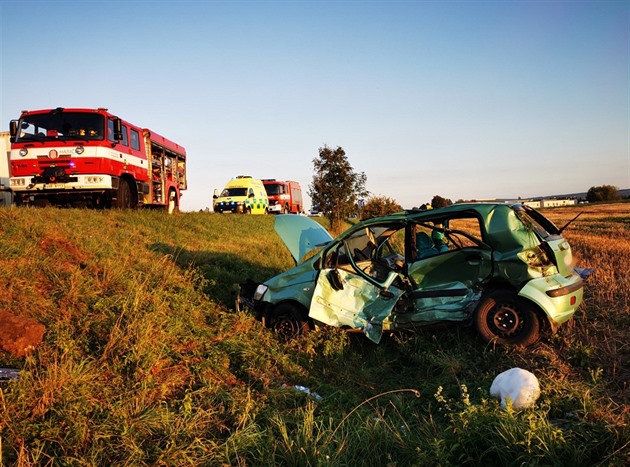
[(375, 251), (442, 235)]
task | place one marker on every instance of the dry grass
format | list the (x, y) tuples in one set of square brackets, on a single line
[(600, 239)]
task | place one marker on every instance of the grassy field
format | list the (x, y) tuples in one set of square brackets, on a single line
[(145, 362)]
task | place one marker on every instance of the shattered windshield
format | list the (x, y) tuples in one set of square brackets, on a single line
[(59, 125)]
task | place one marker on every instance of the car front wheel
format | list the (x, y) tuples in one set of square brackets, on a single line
[(288, 320), (504, 318)]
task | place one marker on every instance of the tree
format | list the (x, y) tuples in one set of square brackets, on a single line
[(439, 202), (377, 206), (336, 186), (603, 193)]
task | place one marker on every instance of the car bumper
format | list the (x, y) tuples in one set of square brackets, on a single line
[(558, 296), (237, 209), (275, 208)]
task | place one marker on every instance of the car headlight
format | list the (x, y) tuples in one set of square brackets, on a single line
[(260, 291), (23, 152)]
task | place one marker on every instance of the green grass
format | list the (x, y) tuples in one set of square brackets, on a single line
[(145, 362)]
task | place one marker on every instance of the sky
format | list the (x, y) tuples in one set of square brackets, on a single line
[(461, 99)]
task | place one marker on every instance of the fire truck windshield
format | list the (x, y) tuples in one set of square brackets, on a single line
[(274, 189), (54, 126)]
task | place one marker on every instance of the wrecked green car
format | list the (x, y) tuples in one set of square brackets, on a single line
[(505, 267)]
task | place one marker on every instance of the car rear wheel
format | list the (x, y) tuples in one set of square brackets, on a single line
[(506, 319), (288, 320)]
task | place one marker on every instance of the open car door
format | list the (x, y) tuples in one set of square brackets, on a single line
[(344, 299), (353, 288)]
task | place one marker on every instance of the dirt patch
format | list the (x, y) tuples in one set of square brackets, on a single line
[(18, 335)]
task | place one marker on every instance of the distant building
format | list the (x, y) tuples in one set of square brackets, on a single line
[(554, 202), (549, 202)]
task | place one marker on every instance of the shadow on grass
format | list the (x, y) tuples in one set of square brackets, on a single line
[(220, 271)]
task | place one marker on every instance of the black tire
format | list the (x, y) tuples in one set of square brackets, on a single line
[(123, 196), (285, 210), (288, 320), (248, 210), (504, 318)]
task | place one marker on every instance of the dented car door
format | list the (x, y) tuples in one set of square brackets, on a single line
[(361, 280), (345, 299)]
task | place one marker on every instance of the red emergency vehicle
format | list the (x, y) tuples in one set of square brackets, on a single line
[(284, 197), (89, 157)]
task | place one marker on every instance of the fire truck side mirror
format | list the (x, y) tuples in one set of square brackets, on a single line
[(13, 128), (118, 136)]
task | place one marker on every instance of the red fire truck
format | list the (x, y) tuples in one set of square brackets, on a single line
[(89, 157), (284, 197)]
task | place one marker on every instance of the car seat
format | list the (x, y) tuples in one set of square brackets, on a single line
[(424, 245)]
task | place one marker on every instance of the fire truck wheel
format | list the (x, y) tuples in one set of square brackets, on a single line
[(123, 198), (286, 209)]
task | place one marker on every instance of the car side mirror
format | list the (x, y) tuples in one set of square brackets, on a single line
[(334, 279)]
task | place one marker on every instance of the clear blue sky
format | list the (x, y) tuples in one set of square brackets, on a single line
[(462, 99)]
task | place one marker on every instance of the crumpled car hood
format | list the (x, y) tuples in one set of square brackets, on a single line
[(300, 234)]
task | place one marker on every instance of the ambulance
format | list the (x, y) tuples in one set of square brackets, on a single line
[(242, 195)]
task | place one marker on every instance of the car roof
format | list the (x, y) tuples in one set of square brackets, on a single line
[(482, 208)]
